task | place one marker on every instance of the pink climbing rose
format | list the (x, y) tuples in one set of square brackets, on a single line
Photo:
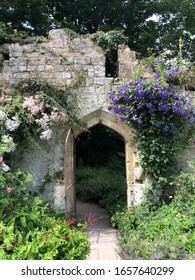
[(9, 190), (1, 159)]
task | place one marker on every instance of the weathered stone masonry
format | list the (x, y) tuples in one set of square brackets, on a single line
[(65, 59)]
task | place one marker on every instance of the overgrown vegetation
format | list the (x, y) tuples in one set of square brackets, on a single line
[(163, 116), (109, 42), (30, 230), (165, 233), (31, 108), (104, 184), (161, 113)]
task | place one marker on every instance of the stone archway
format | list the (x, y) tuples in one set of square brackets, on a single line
[(90, 120)]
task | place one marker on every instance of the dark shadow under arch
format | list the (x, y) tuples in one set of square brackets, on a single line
[(90, 120)]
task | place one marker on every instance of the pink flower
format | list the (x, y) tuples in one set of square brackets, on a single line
[(1, 159), (9, 190)]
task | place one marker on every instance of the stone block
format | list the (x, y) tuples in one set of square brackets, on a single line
[(22, 68), (135, 194)]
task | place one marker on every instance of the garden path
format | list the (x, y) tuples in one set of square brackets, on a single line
[(103, 236)]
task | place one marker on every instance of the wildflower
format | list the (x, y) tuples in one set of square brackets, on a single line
[(139, 121), (158, 124), (71, 221), (149, 105), (9, 190), (152, 66), (5, 167), (158, 256), (44, 121), (90, 217), (2, 115), (7, 144), (166, 128), (122, 118), (12, 124), (46, 134), (134, 118), (31, 105), (92, 225)]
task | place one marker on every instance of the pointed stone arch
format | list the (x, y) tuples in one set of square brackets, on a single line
[(108, 119)]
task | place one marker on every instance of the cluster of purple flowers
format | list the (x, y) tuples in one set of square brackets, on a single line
[(145, 101)]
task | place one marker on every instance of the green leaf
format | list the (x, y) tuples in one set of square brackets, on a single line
[(23, 221), (5, 202)]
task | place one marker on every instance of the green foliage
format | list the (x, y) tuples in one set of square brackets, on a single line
[(55, 240), (163, 115), (34, 107), (32, 16), (106, 184), (30, 230), (164, 233), (57, 95), (8, 35), (109, 42), (5, 35), (175, 19)]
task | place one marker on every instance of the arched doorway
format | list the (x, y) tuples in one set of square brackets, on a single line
[(107, 119), (100, 168)]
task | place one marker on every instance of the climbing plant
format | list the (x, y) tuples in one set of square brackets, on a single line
[(160, 112), (109, 42), (33, 107)]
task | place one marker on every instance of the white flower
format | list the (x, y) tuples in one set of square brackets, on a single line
[(7, 139), (28, 102), (5, 167), (13, 123), (7, 144), (31, 105), (46, 134), (2, 115), (43, 122)]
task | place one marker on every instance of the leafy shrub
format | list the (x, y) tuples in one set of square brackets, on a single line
[(54, 240), (164, 233), (29, 229), (8, 34), (4, 33), (109, 42), (106, 184)]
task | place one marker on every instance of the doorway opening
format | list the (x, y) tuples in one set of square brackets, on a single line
[(101, 169), (122, 130)]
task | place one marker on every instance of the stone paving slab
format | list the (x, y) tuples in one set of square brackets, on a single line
[(103, 236)]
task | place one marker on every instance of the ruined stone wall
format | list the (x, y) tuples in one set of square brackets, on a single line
[(66, 59)]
